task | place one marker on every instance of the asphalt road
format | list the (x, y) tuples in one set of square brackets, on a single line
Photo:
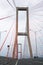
[(10, 61)]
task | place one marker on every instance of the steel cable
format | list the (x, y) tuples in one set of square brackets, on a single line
[(6, 37), (6, 17)]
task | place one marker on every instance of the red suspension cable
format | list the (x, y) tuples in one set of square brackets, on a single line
[(6, 17), (6, 37)]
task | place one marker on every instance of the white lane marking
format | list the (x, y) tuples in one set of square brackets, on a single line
[(16, 62)]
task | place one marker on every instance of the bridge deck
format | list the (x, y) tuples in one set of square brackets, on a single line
[(10, 61)]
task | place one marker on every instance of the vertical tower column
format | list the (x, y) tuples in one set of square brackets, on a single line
[(15, 50)]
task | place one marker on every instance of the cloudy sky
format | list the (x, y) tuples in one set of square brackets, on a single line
[(35, 24)]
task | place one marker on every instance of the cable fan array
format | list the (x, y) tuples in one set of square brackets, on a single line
[(9, 29)]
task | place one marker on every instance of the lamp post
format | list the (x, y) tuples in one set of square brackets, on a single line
[(36, 42), (8, 46)]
